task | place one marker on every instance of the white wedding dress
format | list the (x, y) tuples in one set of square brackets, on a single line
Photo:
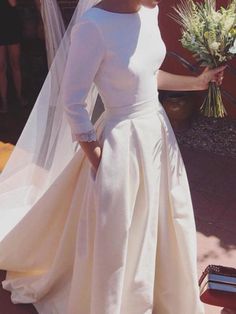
[(122, 240)]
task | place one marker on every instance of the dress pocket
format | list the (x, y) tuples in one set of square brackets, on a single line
[(94, 173)]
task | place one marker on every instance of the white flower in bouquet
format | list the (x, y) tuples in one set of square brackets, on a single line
[(214, 47), (233, 48), (227, 24), (216, 16)]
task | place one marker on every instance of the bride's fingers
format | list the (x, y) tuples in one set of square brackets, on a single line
[(220, 80), (218, 77), (217, 73), (220, 74), (213, 75)]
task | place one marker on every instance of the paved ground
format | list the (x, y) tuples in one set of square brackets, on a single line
[(212, 183)]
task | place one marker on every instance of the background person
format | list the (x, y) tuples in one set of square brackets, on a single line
[(10, 37)]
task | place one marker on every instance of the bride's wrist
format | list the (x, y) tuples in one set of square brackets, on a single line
[(200, 83)]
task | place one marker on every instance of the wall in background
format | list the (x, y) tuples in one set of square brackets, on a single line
[(67, 7)]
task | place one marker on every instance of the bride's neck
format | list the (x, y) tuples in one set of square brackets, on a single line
[(121, 6)]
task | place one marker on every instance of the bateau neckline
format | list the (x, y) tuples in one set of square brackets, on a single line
[(119, 13)]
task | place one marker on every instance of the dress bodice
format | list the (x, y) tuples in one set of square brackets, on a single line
[(134, 53), (120, 52)]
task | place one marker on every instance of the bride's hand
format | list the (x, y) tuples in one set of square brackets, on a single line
[(211, 75), (93, 151)]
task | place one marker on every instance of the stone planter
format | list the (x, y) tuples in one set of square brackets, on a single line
[(179, 108)]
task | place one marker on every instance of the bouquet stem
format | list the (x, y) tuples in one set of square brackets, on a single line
[(213, 104)]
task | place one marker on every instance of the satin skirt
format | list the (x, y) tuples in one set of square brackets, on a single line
[(118, 241)]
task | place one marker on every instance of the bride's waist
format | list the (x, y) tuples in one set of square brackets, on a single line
[(135, 110)]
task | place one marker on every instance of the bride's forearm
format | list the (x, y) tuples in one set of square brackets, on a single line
[(169, 81)]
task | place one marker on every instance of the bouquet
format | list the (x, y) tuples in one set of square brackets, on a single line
[(211, 35)]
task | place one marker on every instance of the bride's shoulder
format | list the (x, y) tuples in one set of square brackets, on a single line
[(89, 17), (93, 14), (87, 26)]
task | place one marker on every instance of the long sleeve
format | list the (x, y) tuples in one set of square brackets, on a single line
[(85, 56)]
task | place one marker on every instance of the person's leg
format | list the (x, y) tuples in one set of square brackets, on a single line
[(3, 79), (14, 52)]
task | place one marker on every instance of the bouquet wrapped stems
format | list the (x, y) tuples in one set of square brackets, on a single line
[(213, 104)]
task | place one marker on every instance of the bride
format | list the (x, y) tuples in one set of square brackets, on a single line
[(97, 218)]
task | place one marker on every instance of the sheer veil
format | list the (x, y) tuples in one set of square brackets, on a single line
[(54, 27), (45, 146)]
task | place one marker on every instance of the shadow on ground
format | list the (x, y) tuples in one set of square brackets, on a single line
[(212, 184)]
